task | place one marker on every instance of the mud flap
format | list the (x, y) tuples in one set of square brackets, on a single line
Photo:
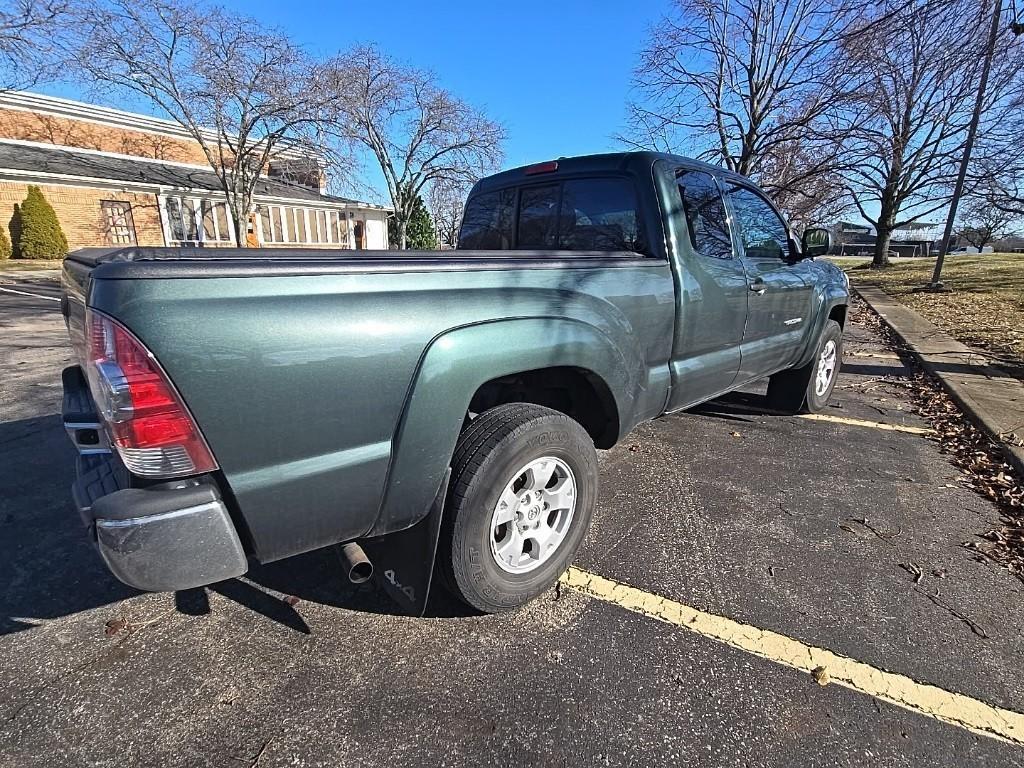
[(403, 562)]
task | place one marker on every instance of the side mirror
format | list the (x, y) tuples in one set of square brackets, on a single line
[(816, 242)]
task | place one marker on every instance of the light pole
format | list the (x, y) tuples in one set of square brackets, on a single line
[(972, 130)]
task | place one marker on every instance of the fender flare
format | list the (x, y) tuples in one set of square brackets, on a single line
[(454, 365), (829, 300)]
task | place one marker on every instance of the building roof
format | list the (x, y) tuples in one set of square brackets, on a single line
[(67, 161), (53, 106)]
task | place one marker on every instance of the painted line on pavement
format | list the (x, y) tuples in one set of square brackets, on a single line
[(866, 423), (924, 699), (33, 295)]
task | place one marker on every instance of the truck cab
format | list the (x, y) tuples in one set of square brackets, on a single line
[(749, 295)]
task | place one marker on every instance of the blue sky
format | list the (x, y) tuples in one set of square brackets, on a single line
[(556, 73)]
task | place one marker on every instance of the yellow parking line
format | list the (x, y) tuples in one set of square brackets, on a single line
[(866, 423), (952, 708)]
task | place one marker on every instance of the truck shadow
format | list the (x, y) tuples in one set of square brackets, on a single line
[(319, 577), (273, 591), (736, 406), (49, 569)]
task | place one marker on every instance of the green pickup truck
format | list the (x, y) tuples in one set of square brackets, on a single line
[(430, 410)]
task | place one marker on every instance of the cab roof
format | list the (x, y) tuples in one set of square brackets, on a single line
[(638, 163)]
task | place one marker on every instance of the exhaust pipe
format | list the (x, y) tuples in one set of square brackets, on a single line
[(357, 565)]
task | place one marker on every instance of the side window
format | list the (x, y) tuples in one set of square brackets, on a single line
[(599, 215), (706, 219), (761, 230), (487, 221), (538, 217)]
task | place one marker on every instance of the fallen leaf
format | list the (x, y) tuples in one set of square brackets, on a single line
[(820, 675), (115, 625)]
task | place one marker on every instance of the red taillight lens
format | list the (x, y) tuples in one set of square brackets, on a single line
[(549, 167), (148, 423)]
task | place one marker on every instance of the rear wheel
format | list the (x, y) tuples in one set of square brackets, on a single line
[(523, 489), (809, 387)]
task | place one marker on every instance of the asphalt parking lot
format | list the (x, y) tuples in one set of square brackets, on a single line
[(809, 529)]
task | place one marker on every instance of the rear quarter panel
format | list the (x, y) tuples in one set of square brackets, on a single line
[(299, 382)]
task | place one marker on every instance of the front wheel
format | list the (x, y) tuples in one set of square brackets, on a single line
[(809, 387), (523, 489)]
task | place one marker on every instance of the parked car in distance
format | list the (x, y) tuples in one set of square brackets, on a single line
[(970, 250), (233, 405)]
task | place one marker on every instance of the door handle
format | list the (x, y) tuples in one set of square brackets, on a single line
[(758, 287)]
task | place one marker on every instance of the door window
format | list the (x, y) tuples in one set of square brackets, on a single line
[(761, 230), (706, 220)]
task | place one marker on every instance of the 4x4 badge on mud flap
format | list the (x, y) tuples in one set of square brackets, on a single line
[(409, 592)]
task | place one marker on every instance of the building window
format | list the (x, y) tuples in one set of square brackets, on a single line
[(118, 221), (285, 225), (321, 227), (193, 222), (299, 220), (209, 225)]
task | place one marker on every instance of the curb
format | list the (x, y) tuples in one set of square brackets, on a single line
[(993, 401)]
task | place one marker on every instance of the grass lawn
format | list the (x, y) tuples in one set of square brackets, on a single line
[(17, 265), (984, 310)]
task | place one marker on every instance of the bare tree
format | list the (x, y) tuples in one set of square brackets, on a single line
[(903, 131), (998, 179), (418, 132), (30, 32), (997, 168), (748, 84), (802, 176), (246, 94), (446, 200), (982, 223)]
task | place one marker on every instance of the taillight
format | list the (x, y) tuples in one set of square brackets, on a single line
[(148, 423), (549, 167)]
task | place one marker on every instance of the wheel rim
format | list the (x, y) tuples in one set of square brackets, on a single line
[(826, 367), (533, 515)]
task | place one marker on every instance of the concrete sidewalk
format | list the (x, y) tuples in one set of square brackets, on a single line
[(992, 399)]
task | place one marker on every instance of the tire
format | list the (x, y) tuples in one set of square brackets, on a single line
[(485, 473), (799, 390)]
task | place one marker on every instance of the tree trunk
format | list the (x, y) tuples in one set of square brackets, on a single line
[(401, 225), (239, 224), (884, 235), (239, 220)]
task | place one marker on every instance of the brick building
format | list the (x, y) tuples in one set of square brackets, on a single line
[(119, 178)]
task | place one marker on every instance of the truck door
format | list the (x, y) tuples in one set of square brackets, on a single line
[(711, 291), (779, 298)]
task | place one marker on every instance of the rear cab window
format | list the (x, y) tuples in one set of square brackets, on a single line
[(583, 214), (487, 221)]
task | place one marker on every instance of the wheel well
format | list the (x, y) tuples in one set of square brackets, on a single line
[(578, 393), (838, 313)]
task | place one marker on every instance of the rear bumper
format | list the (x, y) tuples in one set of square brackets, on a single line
[(170, 536)]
